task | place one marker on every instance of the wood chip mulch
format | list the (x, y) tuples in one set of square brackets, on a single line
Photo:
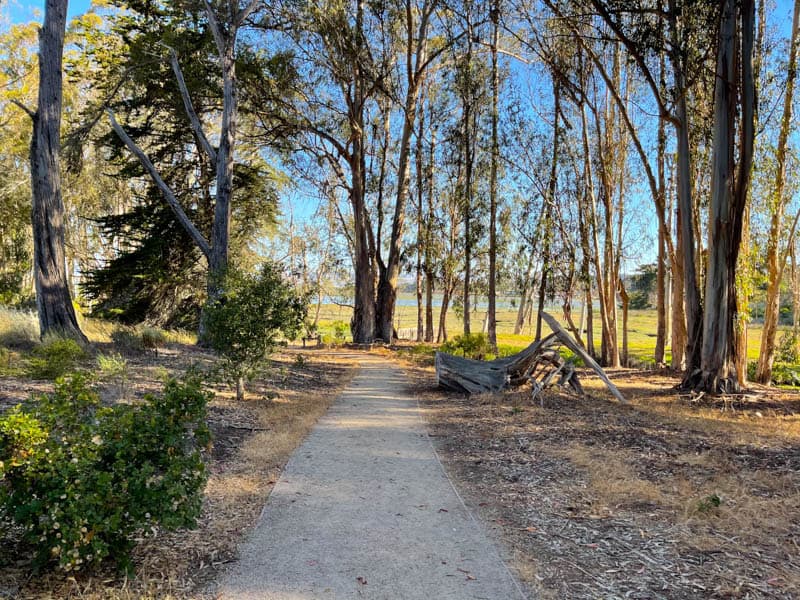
[(660, 499)]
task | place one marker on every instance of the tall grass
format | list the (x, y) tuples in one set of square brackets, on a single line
[(19, 329)]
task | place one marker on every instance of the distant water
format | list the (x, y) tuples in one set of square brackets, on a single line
[(503, 303)]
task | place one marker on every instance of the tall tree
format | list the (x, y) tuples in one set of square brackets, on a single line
[(735, 86), (418, 59), (491, 316), (224, 20), (53, 298), (777, 258)]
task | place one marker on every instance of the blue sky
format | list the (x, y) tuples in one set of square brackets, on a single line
[(22, 11)]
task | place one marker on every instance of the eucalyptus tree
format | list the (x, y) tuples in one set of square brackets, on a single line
[(419, 52), (733, 140), (342, 60), (53, 298), (777, 258)]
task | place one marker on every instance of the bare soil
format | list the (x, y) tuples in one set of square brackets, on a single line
[(252, 442), (667, 497)]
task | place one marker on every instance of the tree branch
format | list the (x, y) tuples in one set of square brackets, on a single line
[(215, 28), (169, 195), (244, 13), (27, 110), (194, 120)]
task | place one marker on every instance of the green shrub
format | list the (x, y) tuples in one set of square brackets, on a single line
[(244, 325), (709, 504), (340, 331), (788, 350), (82, 480), (782, 373), (473, 345), (55, 357)]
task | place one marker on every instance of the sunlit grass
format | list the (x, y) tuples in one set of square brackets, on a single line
[(642, 325)]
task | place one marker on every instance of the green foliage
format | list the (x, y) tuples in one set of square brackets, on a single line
[(643, 286), (473, 345), (158, 275), (55, 357), (83, 480), (340, 330), (788, 349), (244, 325), (709, 504), (783, 373)]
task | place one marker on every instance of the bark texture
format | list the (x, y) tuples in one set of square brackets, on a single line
[(53, 299)]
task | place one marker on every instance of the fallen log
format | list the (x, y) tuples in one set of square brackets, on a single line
[(477, 376), (470, 376), (570, 343)]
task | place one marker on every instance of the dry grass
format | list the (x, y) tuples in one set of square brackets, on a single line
[(18, 328), (252, 442), (665, 498)]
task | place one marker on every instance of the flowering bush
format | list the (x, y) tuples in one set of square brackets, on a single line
[(82, 479)]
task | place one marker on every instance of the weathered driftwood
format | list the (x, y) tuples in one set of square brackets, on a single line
[(477, 376), (538, 363), (570, 343)]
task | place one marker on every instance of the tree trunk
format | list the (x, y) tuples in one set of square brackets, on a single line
[(623, 294), (441, 336), (467, 219), (523, 301), (547, 222), (421, 237), (491, 315), (589, 322), (53, 300), (686, 218), (661, 273), (729, 192), (775, 264)]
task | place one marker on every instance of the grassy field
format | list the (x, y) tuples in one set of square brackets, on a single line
[(641, 327)]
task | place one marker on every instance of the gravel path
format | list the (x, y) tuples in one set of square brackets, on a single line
[(364, 509)]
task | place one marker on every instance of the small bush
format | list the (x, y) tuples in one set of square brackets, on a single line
[(82, 480), (55, 357), (474, 345), (782, 373), (340, 331), (788, 350), (18, 329), (709, 504), (244, 325)]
